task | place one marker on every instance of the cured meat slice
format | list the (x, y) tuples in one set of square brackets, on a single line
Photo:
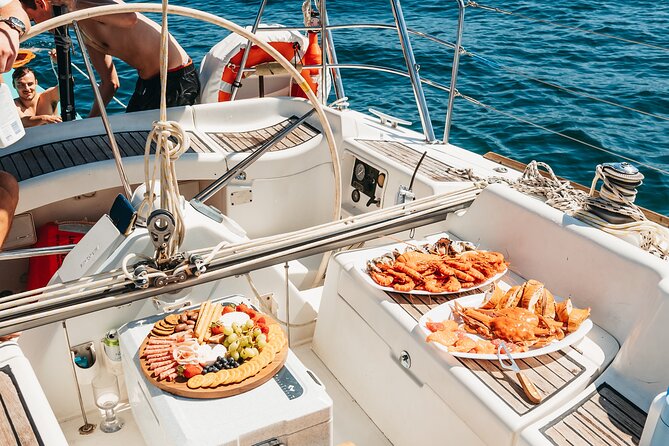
[(156, 365), (172, 376), (159, 355), (154, 341), (160, 370), (167, 373)]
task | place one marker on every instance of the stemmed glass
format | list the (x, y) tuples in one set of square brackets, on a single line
[(106, 394)]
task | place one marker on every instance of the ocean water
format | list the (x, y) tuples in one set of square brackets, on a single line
[(526, 69)]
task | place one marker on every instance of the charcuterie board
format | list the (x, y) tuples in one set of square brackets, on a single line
[(164, 355)]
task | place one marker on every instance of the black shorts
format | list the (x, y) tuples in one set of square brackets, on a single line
[(183, 87)]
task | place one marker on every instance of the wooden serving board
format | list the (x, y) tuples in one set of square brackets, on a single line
[(180, 388)]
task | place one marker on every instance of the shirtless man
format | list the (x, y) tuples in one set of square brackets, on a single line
[(34, 108), (134, 39)]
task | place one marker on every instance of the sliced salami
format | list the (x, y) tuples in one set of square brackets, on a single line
[(157, 365), (166, 354), (154, 341), (167, 373), (162, 369)]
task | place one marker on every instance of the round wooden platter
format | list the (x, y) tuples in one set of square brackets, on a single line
[(180, 388)]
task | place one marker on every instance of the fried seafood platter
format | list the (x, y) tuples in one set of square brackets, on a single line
[(445, 267), (527, 317), (213, 351)]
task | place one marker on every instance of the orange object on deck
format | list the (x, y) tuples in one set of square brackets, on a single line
[(312, 56)]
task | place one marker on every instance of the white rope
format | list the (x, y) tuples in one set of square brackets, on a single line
[(171, 142), (306, 12), (559, 194)]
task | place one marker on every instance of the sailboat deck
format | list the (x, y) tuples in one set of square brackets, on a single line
[(605, 417), (550, 373), (48, 158)]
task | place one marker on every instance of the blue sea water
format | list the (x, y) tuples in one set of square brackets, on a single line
[(512, 53)]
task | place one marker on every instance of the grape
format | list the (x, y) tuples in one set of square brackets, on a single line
[(249, 324), (262, 338), (257, 332), (253, 352), (245, 353), (261, 343), (227, 331), (233, 347), (232, 338), (235, 355)]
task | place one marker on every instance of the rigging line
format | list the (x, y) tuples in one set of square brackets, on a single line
[(559, 87), (539, 126), (549, 22)]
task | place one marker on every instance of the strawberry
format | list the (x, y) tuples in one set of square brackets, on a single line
[(228, 309), (252, 313), (243, 308), (189, 370), (260, 320), (216, 328), (264, 328)]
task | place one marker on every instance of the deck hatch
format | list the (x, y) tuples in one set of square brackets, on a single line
[(251, 140), (409, 157), (604, 417), (47, 158), (550, 373)]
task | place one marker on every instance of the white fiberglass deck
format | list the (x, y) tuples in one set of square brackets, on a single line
[(351, 424)]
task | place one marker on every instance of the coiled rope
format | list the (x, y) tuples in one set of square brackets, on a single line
[(171, 142), (561, 195)]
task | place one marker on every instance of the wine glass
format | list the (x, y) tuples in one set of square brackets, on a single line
[(106, 394)]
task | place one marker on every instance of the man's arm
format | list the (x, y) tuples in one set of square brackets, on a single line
[(109, 82), (124, 20), (9, 37), (9, 198), (33, 121)]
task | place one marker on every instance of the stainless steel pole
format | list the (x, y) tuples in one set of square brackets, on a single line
[(324, 70), (412, 68), (103, 112), (236, 84), (454, 70), (332, 55)]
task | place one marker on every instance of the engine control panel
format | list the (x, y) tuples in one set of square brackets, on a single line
[(365, 180)]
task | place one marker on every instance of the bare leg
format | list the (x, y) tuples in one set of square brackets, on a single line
[(9, 198)]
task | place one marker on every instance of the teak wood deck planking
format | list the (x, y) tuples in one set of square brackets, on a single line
[(47, 158), (409, 157), (251, 140), (604, 418), (550, 372)]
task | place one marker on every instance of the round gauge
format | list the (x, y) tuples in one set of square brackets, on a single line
[(360, 171), (355, 195)]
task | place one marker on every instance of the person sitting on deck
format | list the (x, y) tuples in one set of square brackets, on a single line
[(135, 39), (35, 108)]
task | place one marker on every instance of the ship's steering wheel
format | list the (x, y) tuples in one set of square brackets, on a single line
[(223, 23)]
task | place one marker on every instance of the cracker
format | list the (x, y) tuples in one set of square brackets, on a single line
[(221, 375), (172, 319), (209, 378), (232, 376), (195, 382)]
